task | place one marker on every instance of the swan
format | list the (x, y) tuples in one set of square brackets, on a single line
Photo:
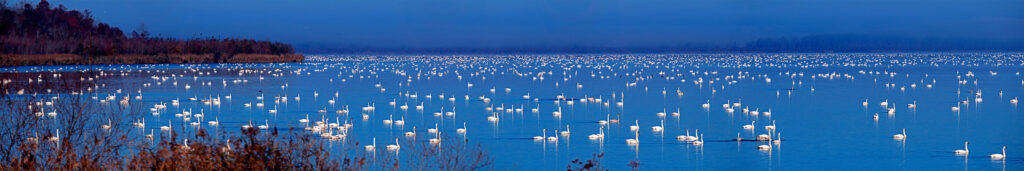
[(691, 138), (764, 137), (249, 126), (166, 128), (371, 147), (553, 138), (751, 126), (544, 134), (566, 132), (684, 137), (395, 146), (266, 124), (184, 146), (599, 135), (999, 155), (461, 130), (659, 128), (435, 140), (635, 140), (411, 133), (107, 126), (902, 136), (56, 137), (964, 151), (700, 140), (433, 130), (770, 127), (492, 118), (214, 122), (607, 117), (400, 122)]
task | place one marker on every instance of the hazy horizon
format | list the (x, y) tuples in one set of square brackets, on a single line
[(395, 24)]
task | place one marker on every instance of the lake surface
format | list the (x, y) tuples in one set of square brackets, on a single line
[(816, 103)]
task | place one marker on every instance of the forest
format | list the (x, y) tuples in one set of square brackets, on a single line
[(39, 31)]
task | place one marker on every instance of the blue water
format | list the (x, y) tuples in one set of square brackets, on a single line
[(815, 102)]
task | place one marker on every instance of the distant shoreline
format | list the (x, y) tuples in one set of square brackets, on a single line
[(13, 60)]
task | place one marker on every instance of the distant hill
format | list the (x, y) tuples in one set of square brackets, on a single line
[(813, 43), (46, 35)]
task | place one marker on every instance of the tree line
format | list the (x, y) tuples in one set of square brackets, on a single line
[(43, 29)]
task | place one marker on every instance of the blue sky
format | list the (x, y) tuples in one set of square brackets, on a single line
[(541, 23)]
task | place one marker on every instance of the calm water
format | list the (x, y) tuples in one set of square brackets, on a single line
[(815, 101)]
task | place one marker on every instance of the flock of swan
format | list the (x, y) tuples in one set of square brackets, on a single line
[(458, 93)]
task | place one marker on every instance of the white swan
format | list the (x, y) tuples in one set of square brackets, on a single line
[(461, 130), (751, 126), (660, 127), (599, 135), (902, 136), (964, 151), (700, 140), (433, 130), (635, 140), (395, 146), (544, 134), (999, 155), (435, 140), (371, 147), (411, 133)]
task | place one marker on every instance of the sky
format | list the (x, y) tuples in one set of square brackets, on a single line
[(550, 23)]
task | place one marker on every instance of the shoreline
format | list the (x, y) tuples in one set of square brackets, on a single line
[(14, 60)]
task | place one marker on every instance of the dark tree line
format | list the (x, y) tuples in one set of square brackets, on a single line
[(44, 29)]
